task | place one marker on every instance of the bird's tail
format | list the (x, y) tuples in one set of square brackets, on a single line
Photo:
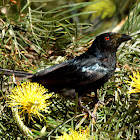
[(16, 73)]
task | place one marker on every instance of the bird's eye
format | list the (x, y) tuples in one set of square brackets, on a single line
[(106, 38)]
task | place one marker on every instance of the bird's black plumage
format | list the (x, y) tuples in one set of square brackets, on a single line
[(85, 73)]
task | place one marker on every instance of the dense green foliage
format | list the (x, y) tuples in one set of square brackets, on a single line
[(37, 34)]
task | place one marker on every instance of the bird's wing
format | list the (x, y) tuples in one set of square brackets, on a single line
[(55, 75), (71, 74), (52, 69), (93, 73)]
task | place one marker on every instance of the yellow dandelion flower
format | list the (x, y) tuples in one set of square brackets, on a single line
[(30, 98), (76, 135), (135, 84)]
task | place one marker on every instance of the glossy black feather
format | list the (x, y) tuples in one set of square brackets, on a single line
[(84, 73)]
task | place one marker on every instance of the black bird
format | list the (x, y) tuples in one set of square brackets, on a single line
[(83, 74)]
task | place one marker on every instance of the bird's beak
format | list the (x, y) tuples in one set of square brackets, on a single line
[(124, 37)]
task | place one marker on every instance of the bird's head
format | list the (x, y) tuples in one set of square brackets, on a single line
[(111, 40)]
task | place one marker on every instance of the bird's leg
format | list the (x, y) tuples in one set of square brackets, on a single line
[(95, 109), (86, 109), (100, 102), (96, 106)]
